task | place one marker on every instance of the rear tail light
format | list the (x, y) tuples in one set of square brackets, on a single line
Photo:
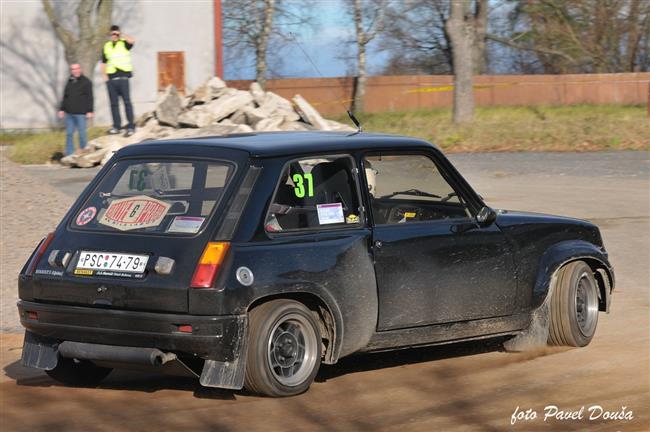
[(185, 328), (39, 253), (32, 315), (208, 266)]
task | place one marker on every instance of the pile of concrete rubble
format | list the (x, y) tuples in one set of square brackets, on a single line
[(213, 109)]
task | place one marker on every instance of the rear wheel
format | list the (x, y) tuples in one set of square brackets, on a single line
[(78, 373), (574, 306), (284, 349)]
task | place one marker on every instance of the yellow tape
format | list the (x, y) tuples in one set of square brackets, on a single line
[(448, 88)]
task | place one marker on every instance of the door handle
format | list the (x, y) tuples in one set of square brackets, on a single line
[(378, 244)]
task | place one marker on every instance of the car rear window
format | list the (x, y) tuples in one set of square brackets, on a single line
[(160, 197)]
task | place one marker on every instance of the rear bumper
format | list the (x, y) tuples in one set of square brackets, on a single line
[(213, 338)]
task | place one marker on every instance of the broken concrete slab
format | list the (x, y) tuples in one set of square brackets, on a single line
[(144, 118), (336, 126), (169, 106), (295, 126), (309, 113), (69, 160), (213, 109), (216, 84), (269, 124), (254, 115), (273, 103), (219, 129), (110, 151), (228, 104), (196, 118), (202, 95), (239, 117)]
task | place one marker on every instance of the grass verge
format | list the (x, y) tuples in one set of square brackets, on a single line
[(40, 147), (565, 128)]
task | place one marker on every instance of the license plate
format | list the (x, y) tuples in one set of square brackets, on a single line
[(95, 262)]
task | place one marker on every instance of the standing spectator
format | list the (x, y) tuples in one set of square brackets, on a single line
[(76, 107), (117, 69)]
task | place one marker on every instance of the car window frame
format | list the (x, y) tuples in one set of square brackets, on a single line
[(83, 200), (363, 216), (448, 177)]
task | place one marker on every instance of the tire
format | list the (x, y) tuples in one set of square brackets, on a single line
[(574, 306), (284, 349), (78, 373)]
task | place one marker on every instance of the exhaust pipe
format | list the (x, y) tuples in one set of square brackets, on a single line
[(111, 353)]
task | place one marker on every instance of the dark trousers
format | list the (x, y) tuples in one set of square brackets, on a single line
[(120, 88)]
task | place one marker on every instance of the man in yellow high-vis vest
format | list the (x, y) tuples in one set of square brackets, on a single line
[(117, 69)]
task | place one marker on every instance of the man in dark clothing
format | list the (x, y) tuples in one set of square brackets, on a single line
[(117, 69), (76, 107)]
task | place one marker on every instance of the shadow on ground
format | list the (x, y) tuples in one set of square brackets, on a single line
[(150, 380)]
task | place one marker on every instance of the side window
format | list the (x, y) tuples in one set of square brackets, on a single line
[(315, 193), (409, 188)]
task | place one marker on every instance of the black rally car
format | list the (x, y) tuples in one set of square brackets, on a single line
[(247, 260)]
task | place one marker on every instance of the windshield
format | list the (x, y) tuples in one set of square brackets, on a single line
[(155, 197)]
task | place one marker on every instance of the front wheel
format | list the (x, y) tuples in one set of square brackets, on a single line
[(284, 349), (78, 373), (574, 306)]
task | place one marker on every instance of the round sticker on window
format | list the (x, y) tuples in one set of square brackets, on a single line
[(86, 216)]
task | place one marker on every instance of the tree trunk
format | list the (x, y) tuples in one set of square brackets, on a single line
[(260, 50), (360, 88), (462, 33), (480, 29), (84, 49)]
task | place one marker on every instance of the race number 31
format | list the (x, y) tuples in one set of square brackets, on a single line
[(299, 181)]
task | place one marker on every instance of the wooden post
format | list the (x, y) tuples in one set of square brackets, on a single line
[(218, 39)]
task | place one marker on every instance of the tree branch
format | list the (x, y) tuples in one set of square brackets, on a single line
[(512, 44), (64, 35)]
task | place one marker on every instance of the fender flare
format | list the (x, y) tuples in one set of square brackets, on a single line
[(324, 297), (564, 252)]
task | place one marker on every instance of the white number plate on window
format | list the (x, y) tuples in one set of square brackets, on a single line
[(112, 262)]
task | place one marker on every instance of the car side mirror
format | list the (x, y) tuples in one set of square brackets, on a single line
[(486, 216)]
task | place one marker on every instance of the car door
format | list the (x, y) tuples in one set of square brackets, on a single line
[(434, 264)]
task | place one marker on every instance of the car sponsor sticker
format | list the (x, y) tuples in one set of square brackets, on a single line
[(49, 272), (134, 213), (86, 215), (330, 213), (186, 224), (84, 272)]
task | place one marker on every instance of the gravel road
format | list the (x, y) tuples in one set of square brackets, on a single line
[(469, 387), (29, 209)]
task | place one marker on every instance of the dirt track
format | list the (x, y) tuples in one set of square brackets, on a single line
[(461, 387)]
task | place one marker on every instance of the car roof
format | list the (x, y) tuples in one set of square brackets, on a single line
[(271, 144)]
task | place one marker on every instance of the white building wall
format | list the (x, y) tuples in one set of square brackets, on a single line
[(33, 69)]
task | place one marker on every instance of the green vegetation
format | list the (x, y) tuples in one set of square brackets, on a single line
[(40, 147), (565, 128)]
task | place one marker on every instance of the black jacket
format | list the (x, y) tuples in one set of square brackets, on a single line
[(77, 96)]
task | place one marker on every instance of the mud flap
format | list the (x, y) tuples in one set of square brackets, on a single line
[(606, 290), (39, 352), (229, 374)]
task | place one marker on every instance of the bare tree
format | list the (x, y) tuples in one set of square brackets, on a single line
[(368, 18), (464, 27), (82, 44), (418, 41), (581, 36), (254, 25)]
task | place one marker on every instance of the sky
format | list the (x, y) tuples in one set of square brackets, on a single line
[(324, 44)]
